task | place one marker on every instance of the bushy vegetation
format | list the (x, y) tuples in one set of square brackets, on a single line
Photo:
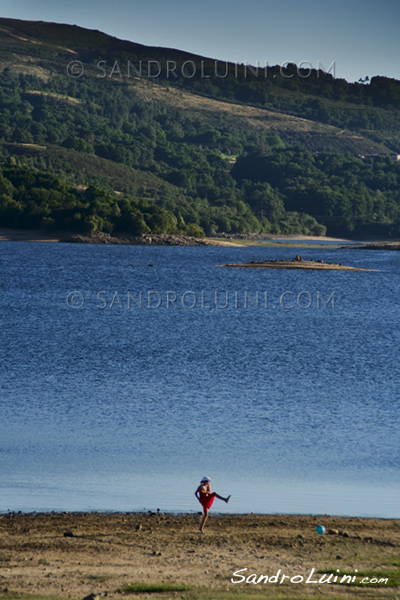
[(91, 154), (193, 190), (32, 199), (349, 195), (310, 94)]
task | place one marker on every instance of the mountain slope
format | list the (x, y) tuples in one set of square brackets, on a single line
[(49, 48), (273, 150)]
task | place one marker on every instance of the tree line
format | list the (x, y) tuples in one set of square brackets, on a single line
[(205, 176)]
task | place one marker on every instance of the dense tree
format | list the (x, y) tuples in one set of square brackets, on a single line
[(189, 174)]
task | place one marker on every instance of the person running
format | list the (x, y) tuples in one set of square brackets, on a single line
[(206, 497)]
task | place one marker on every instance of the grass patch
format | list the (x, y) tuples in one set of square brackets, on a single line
[(153, 588), (370, 578), (393, 562)]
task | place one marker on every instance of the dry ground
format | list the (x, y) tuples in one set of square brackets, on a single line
[(73, 555), (30, 235)]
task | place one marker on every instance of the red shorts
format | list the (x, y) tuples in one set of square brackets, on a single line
[(207, 500)]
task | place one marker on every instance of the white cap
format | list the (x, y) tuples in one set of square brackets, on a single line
[(205, 480)]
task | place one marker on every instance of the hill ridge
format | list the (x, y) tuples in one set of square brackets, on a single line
[(291, 152)]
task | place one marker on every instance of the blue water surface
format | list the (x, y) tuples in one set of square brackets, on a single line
[(129, 372)]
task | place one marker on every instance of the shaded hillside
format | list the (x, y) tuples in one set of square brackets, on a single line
[(250, 151), (83, 169), (315, 136), (371, 110)]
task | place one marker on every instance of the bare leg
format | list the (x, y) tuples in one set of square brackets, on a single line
[(221, 497), (204, 519)]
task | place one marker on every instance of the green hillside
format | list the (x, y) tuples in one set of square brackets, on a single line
[(102, 134)]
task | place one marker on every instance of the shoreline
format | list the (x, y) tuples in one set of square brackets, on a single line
[(181, 514), (31, 235), (76, 554)]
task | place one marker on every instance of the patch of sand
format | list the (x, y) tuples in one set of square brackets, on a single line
[(28, 235), (106, 551)]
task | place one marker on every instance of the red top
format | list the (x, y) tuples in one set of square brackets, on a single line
[(206, 496)]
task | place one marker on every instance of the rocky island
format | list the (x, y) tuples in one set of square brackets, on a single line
[(297, 263)]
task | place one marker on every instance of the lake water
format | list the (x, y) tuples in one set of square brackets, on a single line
[(130, 372)]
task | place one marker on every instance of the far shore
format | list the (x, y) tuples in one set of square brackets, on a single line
[(117, 555), (30, 235)]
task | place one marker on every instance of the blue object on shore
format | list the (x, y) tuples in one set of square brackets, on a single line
[(320, 529)]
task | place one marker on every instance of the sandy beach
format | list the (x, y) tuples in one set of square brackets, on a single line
[(115, 555), (28, 235), (238, 240)]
